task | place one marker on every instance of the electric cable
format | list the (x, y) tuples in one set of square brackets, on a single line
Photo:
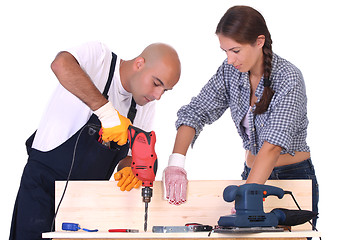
[(298, 206), (69, 174)]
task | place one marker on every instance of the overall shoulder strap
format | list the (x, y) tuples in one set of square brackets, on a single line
[(111, 74), (132, 111)]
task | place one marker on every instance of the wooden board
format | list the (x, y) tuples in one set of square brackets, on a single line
[(185, 236), (101, 205)]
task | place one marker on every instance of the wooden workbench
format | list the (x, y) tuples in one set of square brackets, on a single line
[(101, 205), (181, 236)]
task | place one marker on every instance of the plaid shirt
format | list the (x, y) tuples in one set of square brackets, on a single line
[(284, 123)]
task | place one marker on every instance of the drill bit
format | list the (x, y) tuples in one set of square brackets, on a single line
[(146, 216), (146, 194)]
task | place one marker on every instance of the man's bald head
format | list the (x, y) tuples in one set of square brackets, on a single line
[(161, 53), (156, 70)]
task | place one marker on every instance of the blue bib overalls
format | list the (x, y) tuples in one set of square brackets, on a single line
[(35, 206)]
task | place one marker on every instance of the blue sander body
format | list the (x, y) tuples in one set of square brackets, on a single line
[(249, 206)]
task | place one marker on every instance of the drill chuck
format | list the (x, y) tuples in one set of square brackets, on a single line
[(146, 193)]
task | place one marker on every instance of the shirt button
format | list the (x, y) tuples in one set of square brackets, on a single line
[(253, 129), (262, 125), (254, 144)]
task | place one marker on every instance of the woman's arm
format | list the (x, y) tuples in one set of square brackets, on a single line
[(184, 137), (264, 163)]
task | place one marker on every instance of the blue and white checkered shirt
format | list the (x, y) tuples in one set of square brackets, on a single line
[(284, 123)]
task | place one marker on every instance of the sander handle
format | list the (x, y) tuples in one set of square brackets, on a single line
[(272, 190), (251, 189)]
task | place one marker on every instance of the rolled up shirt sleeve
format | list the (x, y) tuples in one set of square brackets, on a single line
[(287, 121), (208, 106)]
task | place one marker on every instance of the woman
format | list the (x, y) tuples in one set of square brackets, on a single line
[(267, 99)]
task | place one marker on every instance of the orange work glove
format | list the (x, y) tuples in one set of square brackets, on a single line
[(127, 179), (114, 126)]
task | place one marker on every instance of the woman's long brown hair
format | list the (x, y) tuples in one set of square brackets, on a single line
[(244, 25)]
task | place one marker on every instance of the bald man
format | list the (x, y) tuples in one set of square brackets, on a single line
[(97, 90)]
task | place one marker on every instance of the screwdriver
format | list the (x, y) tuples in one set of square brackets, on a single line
[(124, 230)]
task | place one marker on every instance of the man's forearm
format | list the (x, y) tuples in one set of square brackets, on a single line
[(76, 81)]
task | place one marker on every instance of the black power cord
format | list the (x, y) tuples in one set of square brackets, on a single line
[(298, 206), (69, 174)]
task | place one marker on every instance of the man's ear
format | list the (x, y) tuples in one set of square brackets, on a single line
[(139, 63), (260, 41)]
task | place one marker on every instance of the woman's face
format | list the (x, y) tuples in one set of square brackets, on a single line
[(244, 57)]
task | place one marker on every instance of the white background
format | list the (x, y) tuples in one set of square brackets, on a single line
[(319, 37)]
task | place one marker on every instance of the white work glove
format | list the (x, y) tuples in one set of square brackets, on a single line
[(174, 180), (114, 126)]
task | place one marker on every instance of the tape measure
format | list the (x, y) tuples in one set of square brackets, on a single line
[(75, 227)]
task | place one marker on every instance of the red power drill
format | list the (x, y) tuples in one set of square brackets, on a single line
[(144, 161)]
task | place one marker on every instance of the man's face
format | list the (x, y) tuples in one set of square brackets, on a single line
[(150, 82)]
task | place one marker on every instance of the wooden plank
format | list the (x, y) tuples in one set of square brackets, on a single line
[(101, 205), (235, 238), (240, 238), (179, 236)]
